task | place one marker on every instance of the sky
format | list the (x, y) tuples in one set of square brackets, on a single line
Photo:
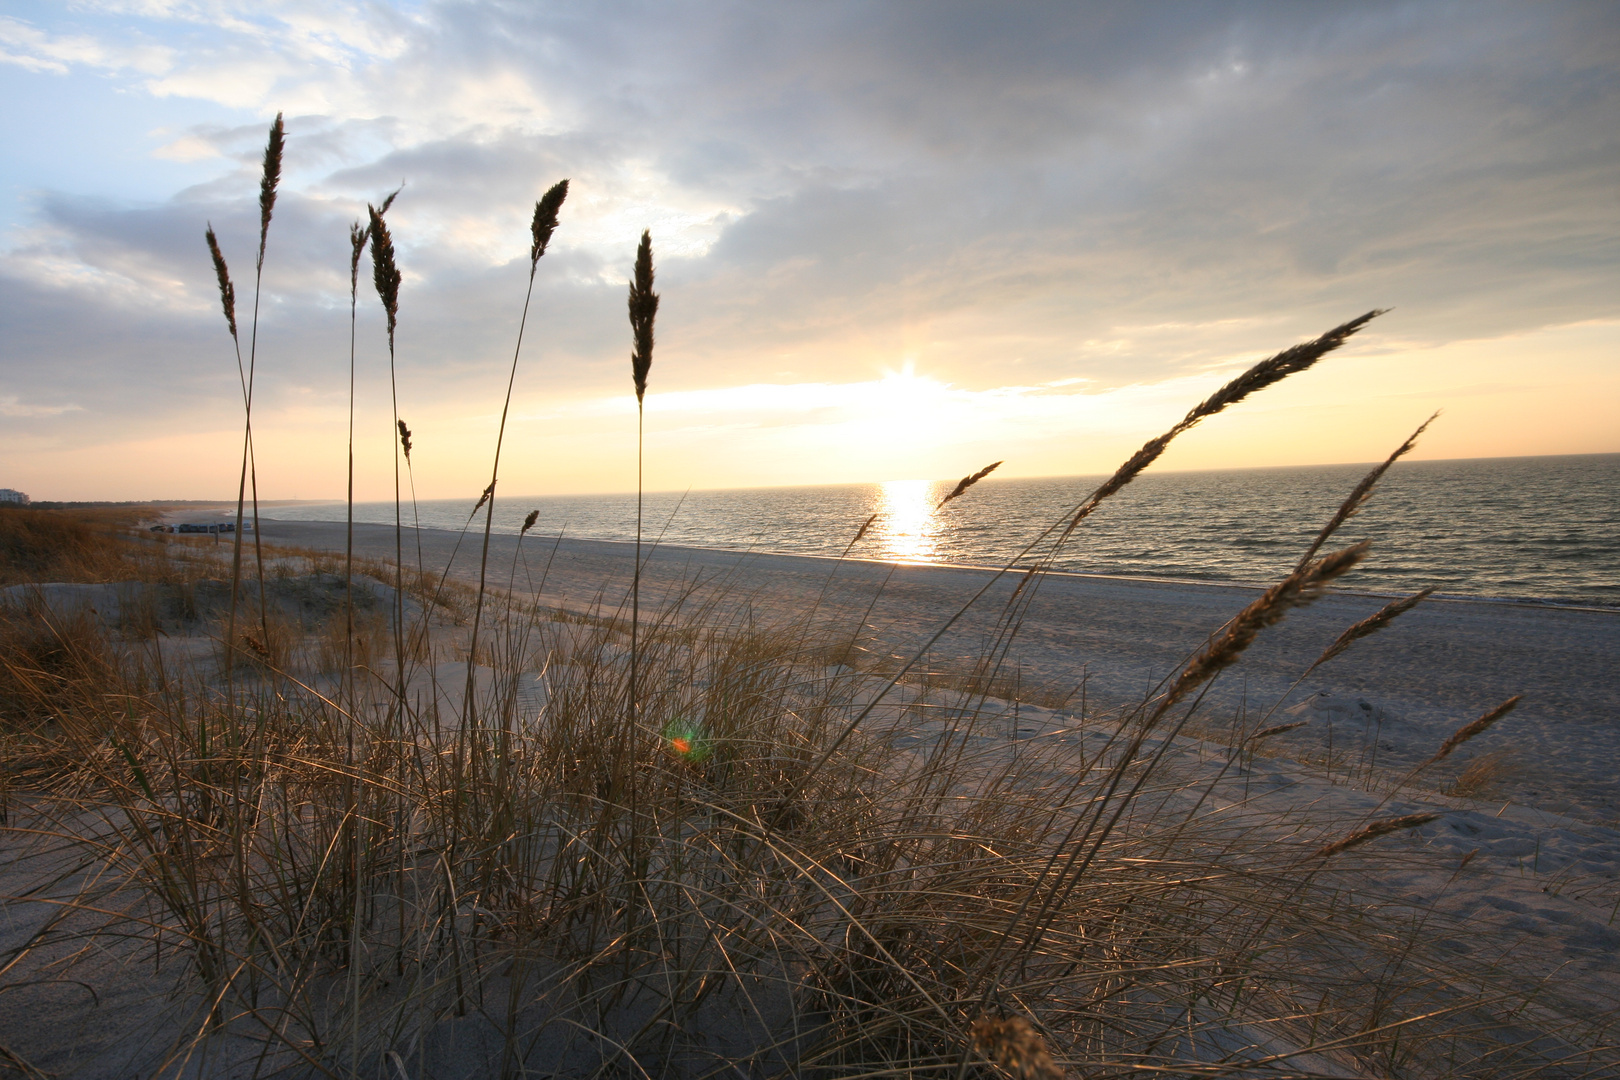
[(893, 240)]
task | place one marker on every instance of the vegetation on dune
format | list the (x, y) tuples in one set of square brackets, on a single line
[(390, 825), (65, 545)]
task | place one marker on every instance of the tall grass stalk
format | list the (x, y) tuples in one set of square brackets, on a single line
[(269, 181), (227, 299), (541, 229), (386, 277), (821, 867), (643, 307), (1266, 373), (358, 235), (357, 247)]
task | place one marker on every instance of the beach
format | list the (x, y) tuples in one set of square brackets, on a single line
[(1441, 665), (1516, 882)]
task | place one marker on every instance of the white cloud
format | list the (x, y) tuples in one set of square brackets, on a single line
[(1050, 212), (37, 50), (10, 405), (187, 148)]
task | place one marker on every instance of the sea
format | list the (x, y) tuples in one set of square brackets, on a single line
[(1543, 529)]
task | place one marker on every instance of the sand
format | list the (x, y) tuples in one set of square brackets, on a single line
[(1527, 872), (1438, 667)]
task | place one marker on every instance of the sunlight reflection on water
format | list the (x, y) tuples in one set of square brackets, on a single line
[(1517, 527), (907, 528)]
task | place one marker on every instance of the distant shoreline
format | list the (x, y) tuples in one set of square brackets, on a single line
[(156, 504), (1148, 579)]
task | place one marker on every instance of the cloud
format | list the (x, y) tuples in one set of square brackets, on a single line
[(1006, 199), (12, 407), (30, 48)]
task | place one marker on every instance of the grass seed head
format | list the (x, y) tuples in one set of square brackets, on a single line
[(1371, 625), (968, 481), (545, 221), (1274, 369), (384, 271), (227, 291), (528, 522), (1477, 727), (1015, 1045), (643, 310), (1277, 730), (860, 533), (1363, 491), (358, 235), (268, 183), (1298, 589), (357, 247), (405, 439), (1374, 831)]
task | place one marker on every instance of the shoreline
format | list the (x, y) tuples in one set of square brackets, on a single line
[(1113, 639), (1256, 586), (1533, 879)]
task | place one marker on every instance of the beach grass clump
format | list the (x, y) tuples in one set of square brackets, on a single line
[(383, 822), (63, 545), (367, 885)]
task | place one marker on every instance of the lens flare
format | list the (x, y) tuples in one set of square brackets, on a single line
[(686, 740)]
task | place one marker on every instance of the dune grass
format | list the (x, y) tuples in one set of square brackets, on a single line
[(422, 830)]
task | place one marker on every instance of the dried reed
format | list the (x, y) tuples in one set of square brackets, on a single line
[(1476, 727), (1276, 729), (643, 310), (357, 880), (1363, 491), (541, 228), (1014, 1045), (269, 179), (358, 236), (1268, 372), (1374, 831), (967, 482), (1373, 623), (386, 279), (1298, 589)]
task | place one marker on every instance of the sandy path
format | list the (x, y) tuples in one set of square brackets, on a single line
[(1440, 666)]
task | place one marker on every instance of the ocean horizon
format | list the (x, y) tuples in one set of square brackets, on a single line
[(1528, 528)]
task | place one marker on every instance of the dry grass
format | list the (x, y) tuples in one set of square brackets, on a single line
[(360, 885), (1484, 775), (64, 545), (680, 841)]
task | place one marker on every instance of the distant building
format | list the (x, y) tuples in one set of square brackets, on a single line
[(10, 495)]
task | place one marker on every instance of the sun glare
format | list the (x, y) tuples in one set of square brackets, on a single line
[(906, 526)]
